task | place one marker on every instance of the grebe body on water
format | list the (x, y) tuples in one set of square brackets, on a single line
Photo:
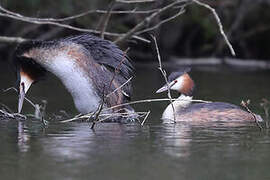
[(185, 110), (90, 68)]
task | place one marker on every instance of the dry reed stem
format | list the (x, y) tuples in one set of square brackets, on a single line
[(163, 72)]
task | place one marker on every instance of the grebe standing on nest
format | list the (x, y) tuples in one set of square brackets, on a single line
[(185, 110), (89, 67)]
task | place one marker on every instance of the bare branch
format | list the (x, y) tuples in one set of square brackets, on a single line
[(106, 21), (38, 21), (11, 40), (144, 22), (133, 11), (219, 24), (134, 1), (182, 11)]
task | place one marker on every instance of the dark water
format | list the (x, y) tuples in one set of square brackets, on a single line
[(129, 151)]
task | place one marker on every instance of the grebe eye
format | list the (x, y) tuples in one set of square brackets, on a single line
[(175, 81)]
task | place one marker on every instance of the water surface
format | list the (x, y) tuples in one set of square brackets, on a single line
[(129, 151)]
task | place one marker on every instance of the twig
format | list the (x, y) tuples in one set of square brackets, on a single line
[(144, 22), (245, 105), (219, 24), (5, 39), (38, 21), (106, 21), (11, 115), (133, 11), (155, 100), (182, 11), (146, 116), (39, 109), (134, 1), (105, 115), (5, 107), (163, 72), (98, 111), (119, 87), (28, 100)]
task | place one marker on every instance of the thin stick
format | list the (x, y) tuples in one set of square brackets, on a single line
[(133, 11), (119, 87), (146, 116), (245, 105), (134, 1), (36, 21), (146, 21), (5, 39), (182, 11), (163, 72), (155, 100), (106, 21)]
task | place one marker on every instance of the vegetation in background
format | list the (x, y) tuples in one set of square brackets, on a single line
[(193, 34)]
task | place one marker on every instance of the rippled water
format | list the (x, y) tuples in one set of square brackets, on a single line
[(129, 151)]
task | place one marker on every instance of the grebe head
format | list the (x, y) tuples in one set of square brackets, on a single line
[(179, 81), (28, 71)]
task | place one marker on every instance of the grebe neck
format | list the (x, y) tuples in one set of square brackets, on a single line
[(179, 104)]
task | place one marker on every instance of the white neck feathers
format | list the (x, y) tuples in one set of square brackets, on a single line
[(76, 81), (180, 103)]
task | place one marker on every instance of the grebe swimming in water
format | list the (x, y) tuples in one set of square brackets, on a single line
[(88, 66), (185, 110)]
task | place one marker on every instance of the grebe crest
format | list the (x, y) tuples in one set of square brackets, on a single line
[(89, 67), (181, 82)]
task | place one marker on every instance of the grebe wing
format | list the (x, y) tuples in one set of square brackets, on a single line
[(221, 106), (108, 54), (217, 111), (104, 52)]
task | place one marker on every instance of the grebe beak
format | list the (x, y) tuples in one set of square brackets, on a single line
[(166, 87), (25, 84)]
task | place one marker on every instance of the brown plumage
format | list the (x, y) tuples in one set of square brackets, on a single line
[(89, 67), (185, 110)]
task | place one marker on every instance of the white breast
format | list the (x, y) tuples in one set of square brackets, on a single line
[(180, 103), (77, 83)]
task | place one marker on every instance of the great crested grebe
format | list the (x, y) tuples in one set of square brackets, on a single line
[(185, 110), (88, 66)]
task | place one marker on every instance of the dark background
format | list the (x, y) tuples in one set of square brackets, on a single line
[(193, 34)]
